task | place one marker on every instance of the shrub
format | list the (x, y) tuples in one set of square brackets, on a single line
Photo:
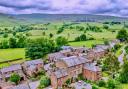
[(101, 83), (15, 78), (94, 87)]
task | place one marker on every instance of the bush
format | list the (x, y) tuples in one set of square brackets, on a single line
[(94, 87), (44, 82), (15, 78), (101, 83), (112, 84), (82, 37)]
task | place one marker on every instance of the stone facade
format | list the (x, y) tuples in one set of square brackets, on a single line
[(32, 67), (8, 71), (91, 72)]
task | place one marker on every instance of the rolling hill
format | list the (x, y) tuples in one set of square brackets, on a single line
[(12, 20)]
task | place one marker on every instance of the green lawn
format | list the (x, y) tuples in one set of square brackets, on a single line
[(86, 43), (9, 54)]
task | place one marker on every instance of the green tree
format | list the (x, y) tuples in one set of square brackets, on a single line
[(113, 84), (60, 41), (124, 73), (5, 35), (50, 35), (21, 42), (44, 82), (12, 42), (111, 63), (126, 49), (38, 48), (4, 44), (82, 37), (122, 35), (15, 78)]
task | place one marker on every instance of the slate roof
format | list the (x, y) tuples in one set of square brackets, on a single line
[(33, 62), (98, 49), (11, 68), (92, 67), (57, 55), (82, 85), (66, 47), (22, 86), (74, 60), (102, 46), (0, 76), (61, 73), (48, 66), (34, 85)]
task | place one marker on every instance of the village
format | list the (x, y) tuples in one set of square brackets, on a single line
[(65, 65)]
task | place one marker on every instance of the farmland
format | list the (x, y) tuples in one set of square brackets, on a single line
[(70, 34)]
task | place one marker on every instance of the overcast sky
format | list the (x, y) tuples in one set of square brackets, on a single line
[(107, 7)]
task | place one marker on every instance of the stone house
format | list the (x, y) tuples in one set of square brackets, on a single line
[(73, 65), (96, 53), (8, 71), (81, 85), (112, 43), (79, 49), (1, 78), (91, 72), (33, 66), (58, 78), (55, 56)]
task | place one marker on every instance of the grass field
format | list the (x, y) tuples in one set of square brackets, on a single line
[(86, 43), (10, 54)]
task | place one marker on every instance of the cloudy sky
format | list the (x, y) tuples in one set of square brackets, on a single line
[(107, 7)]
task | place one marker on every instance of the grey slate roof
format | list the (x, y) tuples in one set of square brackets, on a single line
[(102, 46), (0, 76), (92, 67), (74, 60), (61, 73), (11, 68), (82, 85), (57, 55), (34, 85), (22, 86), (48, 66), (33, 62), (98, 49), (66, 47)]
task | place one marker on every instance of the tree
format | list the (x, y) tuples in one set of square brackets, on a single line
[(15, 78), (4, 44), (113, 84), (124, 73), (50, 35), (12, 42), (122, 35), (21, 42), (82, 37), (126, 49), (111, 63), (38, 48), (44, 82), (5, 35), (105, 26), (101, 83), (43, 33), (60, 41)]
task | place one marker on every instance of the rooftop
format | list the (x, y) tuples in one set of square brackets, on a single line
[(22, 86), (81, 85), (92, 67), (61, 73), (33, 62), (74, 60), (11, 68)]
